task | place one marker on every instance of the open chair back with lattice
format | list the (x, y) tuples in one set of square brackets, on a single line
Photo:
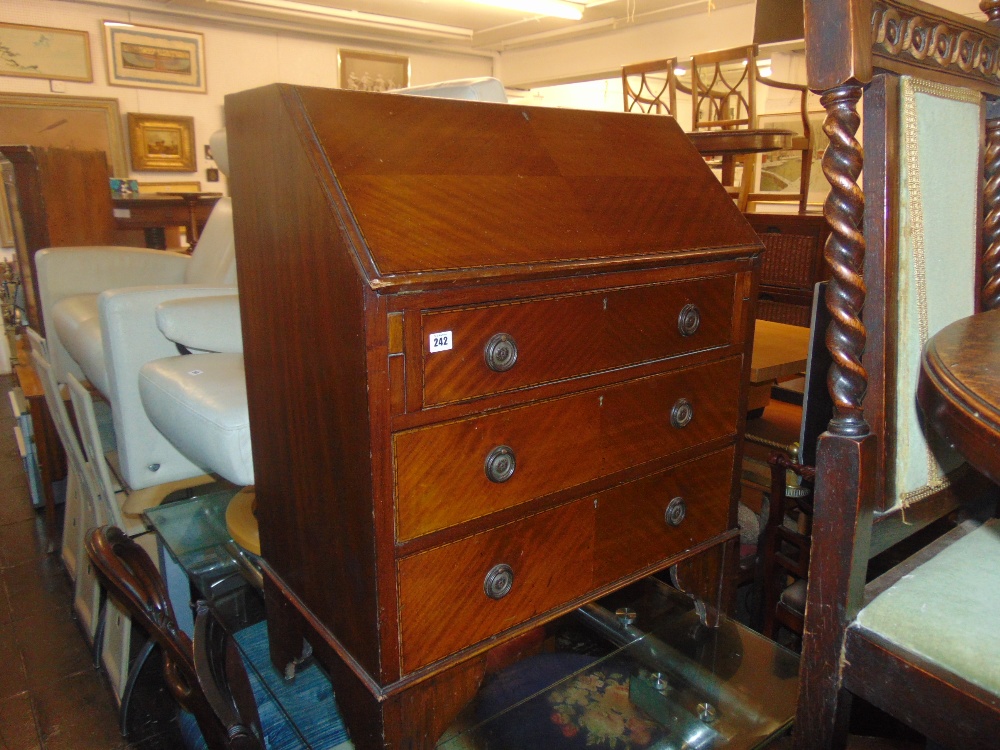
[(924, 257), (651, 87), (724, 97)]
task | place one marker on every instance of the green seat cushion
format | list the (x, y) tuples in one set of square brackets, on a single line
[(947, 609)]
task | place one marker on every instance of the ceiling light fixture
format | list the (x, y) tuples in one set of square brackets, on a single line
[(351, 17), (557, 8)]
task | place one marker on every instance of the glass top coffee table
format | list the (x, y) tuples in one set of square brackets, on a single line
[(634, 670)]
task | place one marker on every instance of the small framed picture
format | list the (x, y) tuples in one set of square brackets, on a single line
[(152, 58), (161, 143), (369, 71)]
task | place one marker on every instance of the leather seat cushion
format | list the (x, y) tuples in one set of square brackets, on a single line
[(78, 326), (199, 403)]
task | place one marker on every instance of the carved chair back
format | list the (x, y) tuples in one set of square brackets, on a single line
[(131, 578), (913, 249)]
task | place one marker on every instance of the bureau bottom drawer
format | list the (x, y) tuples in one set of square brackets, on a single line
[(656, 517), (454, 595)]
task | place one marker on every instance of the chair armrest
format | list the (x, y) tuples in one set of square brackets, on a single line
[(131, 339), (204, 323)]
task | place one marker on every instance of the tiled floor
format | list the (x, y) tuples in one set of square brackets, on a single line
[(51, 697)]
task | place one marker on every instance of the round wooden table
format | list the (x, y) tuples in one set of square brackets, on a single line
[(737, 142), (959, 389)]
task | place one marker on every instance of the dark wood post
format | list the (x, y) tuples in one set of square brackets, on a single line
[(838, 37), (991, 193)]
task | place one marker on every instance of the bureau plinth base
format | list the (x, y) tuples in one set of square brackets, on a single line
[(409, 715)]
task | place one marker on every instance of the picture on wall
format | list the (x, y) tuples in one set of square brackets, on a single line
[(60, 121), (369, 71), (161, 143), (780, 172), (152, 58), (43, 52)]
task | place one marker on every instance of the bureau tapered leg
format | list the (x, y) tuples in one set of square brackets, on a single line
[(706, 578)]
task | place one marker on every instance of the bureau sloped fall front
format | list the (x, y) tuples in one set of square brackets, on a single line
[(496, 361)]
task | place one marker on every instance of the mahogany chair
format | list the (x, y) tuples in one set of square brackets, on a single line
[(724, 97), (919, 641), (128, 573), (783, 554)]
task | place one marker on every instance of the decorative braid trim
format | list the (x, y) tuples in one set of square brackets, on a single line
[(909, 89)]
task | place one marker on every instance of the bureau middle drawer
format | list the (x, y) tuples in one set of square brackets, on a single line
[(500, 347), (453, 472)]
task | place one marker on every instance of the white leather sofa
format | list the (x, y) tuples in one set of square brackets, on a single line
[(98, 306), (199, 401)]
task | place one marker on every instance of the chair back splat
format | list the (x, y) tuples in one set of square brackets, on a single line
[(131, 577), (909, 254)]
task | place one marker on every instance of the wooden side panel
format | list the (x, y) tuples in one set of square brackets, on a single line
[(298, 289), (549, 554), (440, 471), (564, 337)]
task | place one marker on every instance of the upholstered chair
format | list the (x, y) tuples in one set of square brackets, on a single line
[(98, 303)]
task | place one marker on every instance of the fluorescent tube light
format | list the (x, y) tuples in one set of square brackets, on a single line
[(354, 17), (556, 8)]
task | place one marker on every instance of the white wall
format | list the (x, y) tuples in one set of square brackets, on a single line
[(602, 56), (237, 58)]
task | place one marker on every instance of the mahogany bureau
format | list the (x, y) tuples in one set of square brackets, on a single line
[(496, 360)]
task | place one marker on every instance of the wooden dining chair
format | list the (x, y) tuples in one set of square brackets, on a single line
[(130, 576), (909, 253), (724, 87), (651, 87)]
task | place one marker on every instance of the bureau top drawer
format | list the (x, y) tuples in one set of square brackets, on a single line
[(492, 348)]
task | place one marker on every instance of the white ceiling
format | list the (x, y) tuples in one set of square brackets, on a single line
[(454, 23)]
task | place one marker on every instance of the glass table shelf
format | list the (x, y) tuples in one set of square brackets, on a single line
[(634, 670)]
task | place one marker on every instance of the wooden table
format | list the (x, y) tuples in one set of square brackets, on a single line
[(739, 142), (959, 388), (779, 351), (153, 213)]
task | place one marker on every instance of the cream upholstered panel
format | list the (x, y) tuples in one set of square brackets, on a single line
[(939, 223)]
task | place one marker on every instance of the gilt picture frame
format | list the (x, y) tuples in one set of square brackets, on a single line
[(60, 121), (161, 143), (371, 71), (45, 52), (154, 58)]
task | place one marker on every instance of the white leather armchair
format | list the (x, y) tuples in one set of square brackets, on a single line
[(199, 401), (98, 305)]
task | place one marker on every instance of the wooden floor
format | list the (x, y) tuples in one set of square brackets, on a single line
[(51, 697)]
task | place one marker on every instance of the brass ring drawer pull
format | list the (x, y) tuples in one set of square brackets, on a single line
[(500, 464), (676, 512), (499, 581), (501, 352), (682, 413), (689, 320)]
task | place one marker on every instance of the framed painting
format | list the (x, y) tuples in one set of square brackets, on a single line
[(370, 71), (161, 143), (43, 52), (152, 58), (779, 172), (57, 121)]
